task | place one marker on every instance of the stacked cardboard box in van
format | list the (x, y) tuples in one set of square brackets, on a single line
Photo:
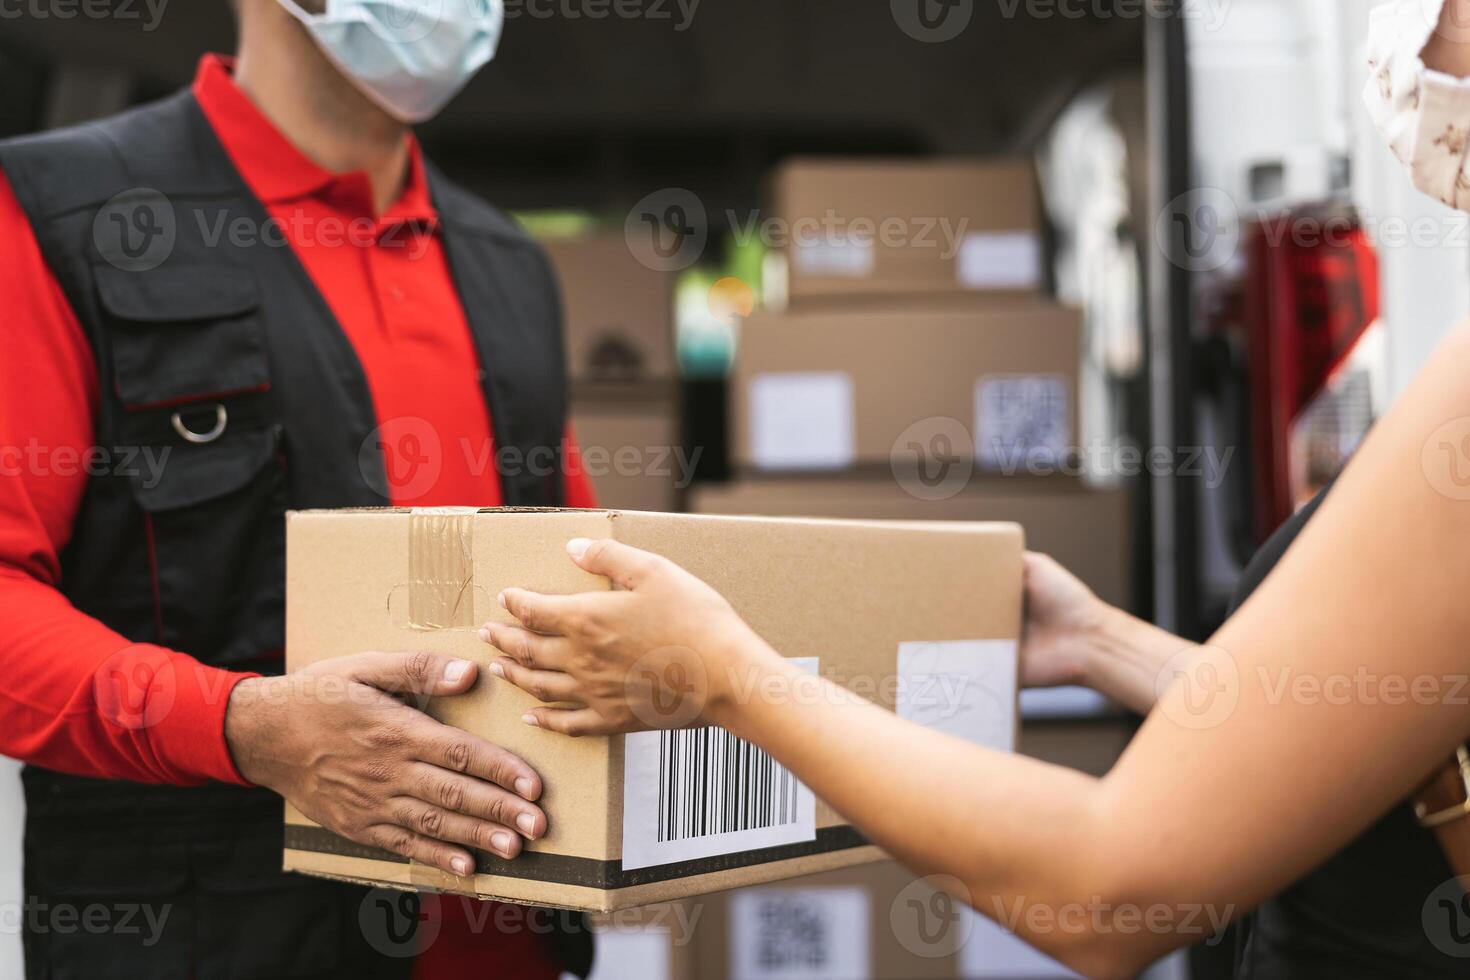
[(913, 230), (912, 367), (871, 922), (624, 371)]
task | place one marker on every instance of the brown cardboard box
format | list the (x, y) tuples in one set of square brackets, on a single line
[(838, 391), (656, 942), (619, 313), (1089, 531), (853, 230), (877, 922), (631, 448), (898, 608)]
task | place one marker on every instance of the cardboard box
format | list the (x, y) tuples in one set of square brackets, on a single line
[(619, 313), (1089, 531), (839, 391), (631, 447), (878, 607), (853, 230), (879, 921), (656, 942)]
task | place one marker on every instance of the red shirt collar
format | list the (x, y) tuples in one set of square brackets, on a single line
[(278, 173)]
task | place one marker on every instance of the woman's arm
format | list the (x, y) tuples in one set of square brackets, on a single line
[(1329, 696)]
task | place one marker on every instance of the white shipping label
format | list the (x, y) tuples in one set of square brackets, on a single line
[(846, 258), (800, 934), (999, 260), (1063, 702), (702, 792), (624, 953), (965, 688), (1023, 422), (801, 420)]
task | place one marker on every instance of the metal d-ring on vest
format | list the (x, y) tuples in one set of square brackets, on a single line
[(221, 419)]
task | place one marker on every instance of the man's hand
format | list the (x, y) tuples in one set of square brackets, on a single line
[(335, 742)]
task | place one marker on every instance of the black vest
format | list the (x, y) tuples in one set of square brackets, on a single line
[(218, 358)]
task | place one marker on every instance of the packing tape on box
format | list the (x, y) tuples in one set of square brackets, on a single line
[(441, 570)]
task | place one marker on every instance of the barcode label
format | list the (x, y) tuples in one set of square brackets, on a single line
[(703, 792), (710, 782)]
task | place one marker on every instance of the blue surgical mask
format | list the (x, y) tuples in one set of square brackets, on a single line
[(409, 56)]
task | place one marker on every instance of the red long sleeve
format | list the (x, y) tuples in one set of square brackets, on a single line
[(74, 695)]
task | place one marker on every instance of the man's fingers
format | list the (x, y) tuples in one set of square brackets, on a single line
[(528, 649), (417, 847), (543, 685), (458, 751), (575, 722), (473, 798), (627, 567), (409, 673), (551, 615), (454, 828)]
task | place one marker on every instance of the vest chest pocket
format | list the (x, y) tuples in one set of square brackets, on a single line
[(180, 334), (189, 363)]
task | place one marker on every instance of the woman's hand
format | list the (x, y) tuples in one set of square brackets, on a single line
[(1073, 637), (1062, 616), (662, 652)]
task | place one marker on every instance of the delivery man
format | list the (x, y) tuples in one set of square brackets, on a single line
[(253, 296)]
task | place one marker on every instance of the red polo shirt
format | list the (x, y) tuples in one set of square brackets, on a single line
[(386, 279)]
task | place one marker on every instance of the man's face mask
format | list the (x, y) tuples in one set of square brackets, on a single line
[(409, 56), (1424, 115)]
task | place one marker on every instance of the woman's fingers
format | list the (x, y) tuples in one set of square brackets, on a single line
[(570, 721), (543, 685), (551, 615), (528, 649), (627, 567)]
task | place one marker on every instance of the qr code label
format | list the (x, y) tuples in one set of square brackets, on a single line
[(811, 934), (1022, 421)]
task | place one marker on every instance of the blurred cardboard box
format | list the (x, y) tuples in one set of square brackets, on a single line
[(908, 604), (1089, 531), (853, 229), (929, 389), (619, 313), (630, 446), (877, 921), (656, 942)]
